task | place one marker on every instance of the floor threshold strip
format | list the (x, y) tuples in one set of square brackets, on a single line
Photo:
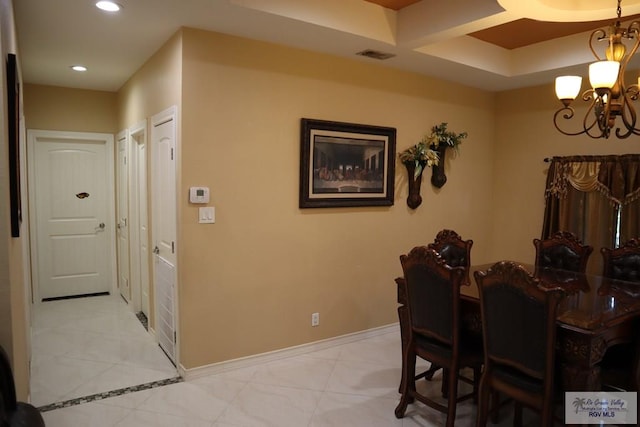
[(108, 394)]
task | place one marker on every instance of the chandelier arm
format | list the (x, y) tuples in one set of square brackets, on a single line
[(568, 115), (601, 35), (628, 114), (632, 29), (630, 33), (633, 91), (598, 114), (604, 118), (627, 111)]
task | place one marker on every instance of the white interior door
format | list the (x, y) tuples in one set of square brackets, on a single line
[(163, 140), (71, 198), (139, 226), (123, 215)]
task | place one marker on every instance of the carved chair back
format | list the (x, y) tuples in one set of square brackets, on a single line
[(562, 251), (519, 332), (622, 263), (450, 246), (433, 291)]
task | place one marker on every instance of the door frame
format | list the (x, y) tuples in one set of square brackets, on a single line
[(32, 137), (122, 138), (137, 197)]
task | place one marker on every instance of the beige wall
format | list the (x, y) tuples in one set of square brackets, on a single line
[(155, 87), (64, 109), (13, 286), (249, 283)]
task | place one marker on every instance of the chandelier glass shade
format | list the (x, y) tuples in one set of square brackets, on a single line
[(609, 98)]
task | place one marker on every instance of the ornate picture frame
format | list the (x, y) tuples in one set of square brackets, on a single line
[(13, 112), (346, 164)]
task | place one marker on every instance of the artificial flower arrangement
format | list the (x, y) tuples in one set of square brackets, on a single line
[(424, 153)]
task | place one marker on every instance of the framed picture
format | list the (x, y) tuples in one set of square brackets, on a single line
[(346, 164), (13, 109)]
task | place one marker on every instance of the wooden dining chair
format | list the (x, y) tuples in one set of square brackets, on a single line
[(562, 251), (434, 333), (620, 366), (456, 252), (519, 334), (622, 263)]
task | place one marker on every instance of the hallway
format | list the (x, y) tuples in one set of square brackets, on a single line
[(85, 346)]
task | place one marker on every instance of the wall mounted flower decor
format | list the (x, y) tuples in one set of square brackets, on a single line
[(439, 140), (429, 152)]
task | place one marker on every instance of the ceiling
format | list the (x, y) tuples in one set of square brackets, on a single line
[(490, 44)]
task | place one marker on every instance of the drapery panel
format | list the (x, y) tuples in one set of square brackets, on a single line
[(585, 195)]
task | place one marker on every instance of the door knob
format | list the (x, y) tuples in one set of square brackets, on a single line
[(100, 227), (156, 250)]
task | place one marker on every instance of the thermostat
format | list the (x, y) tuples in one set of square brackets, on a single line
[(199, 194)]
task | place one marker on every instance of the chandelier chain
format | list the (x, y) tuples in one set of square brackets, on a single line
[(619, 10)]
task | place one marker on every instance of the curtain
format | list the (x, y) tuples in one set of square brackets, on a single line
[(585, 195)]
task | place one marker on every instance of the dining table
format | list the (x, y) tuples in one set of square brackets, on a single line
[(595, 314)]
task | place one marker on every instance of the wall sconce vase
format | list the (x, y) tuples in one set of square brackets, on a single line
[(438, 178), (414, 199)]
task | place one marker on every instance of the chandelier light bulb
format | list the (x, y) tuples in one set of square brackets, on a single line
[(568, 87), (603, 74)]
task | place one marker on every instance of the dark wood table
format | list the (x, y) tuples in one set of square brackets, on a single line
[(596, 314)]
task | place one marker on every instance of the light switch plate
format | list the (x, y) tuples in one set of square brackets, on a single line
[(207, 215)]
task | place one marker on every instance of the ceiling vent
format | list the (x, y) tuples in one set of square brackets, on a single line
[(375, 54)]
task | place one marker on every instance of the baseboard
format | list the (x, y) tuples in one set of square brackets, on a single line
[(257, 359)]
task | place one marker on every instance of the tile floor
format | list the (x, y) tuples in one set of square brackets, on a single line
[(354, 384), (85, 346)]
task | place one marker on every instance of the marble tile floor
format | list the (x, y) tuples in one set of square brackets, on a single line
[(85, 346), (354, 384)]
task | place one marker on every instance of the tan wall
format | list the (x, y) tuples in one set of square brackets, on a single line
[(249, 283), (525, 136), (65, 109), (153, 88), (13, 286)]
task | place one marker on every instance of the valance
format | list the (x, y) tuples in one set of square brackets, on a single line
[(615, 177)]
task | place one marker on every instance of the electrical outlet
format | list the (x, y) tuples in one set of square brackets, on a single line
[(315, 319)]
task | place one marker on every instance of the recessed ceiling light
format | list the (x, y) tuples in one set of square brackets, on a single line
[(78, 68), (108, 6)]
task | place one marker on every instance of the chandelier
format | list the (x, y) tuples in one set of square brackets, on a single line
[(609, 97)]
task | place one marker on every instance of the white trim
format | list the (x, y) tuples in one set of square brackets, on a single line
[(137, 137), (122, 136), (257, 359)]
